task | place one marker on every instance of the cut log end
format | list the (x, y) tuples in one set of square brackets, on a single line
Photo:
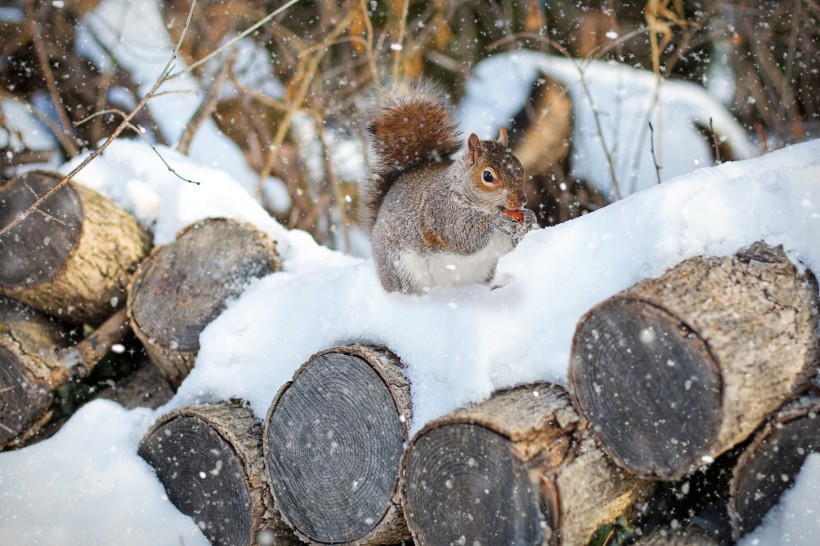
[(181, 287), (333, 441), (482, 478), (657, 419), (203, 476), (53, 229), (770, 463)]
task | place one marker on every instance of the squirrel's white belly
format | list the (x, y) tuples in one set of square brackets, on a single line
[(447, 269)]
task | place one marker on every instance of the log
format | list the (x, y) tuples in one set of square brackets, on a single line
[(72, 256), (35, 360), (679, 535), (181, 287), (677, 370), (144, 388), (770, 463), (519, 468), (334, 436), (30, 370), (209, 459)]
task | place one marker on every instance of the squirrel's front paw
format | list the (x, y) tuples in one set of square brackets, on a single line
[(517, 227)]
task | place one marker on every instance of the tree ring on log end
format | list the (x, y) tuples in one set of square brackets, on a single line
[(482, 479), (181, 287), (333, 442), (20, 404), (204, 477), (34, 250), (769, 465), (649, 386)]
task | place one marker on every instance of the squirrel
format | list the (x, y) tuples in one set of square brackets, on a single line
[(436, 219)]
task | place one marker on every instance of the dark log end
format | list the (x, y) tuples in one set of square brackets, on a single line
[(204, 477), (183, 286), (35, 249), (333, 440), (462, 485), (769, 466), (21, 403), (648, 385)]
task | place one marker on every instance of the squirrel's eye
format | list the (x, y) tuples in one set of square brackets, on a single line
[(488, 176)]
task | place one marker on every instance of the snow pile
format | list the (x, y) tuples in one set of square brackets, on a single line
[(459, 345), (86, 486), (624, 99)]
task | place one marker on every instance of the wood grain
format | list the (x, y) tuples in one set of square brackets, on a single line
[(333, 439)]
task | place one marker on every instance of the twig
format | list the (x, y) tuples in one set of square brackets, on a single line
[(582, 77), (141, 134), (399, 42), (232, 41), (42, 56), (715, 143), (163, 77), (297, 100), (652, 148), (334, 180), (207, 107), (368, 45)]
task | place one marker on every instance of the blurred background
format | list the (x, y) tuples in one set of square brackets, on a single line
[(601, 98)]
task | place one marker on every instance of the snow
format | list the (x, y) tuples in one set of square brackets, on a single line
[(22, 129), (624, 98), (459, 345), (86, 487), (794, 520)]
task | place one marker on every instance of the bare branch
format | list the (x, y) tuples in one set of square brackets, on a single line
[(39, 48)]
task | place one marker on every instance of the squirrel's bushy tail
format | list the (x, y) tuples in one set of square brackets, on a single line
[(410, 129)]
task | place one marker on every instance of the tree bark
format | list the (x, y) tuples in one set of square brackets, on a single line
[(209, 458), (71, 258), (520, 468), (770, 463), (181, 287), (333, 439), (677, 370)]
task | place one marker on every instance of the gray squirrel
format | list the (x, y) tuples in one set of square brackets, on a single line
[(434, 219)]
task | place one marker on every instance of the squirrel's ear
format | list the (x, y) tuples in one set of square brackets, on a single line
[(473, 147), (502, 137)]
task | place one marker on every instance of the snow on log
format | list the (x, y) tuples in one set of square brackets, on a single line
[(209, 458), (182, 286), (676, 370), (519, 468), (770, 463), (334, 436), (72, 255), (35, 360)]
